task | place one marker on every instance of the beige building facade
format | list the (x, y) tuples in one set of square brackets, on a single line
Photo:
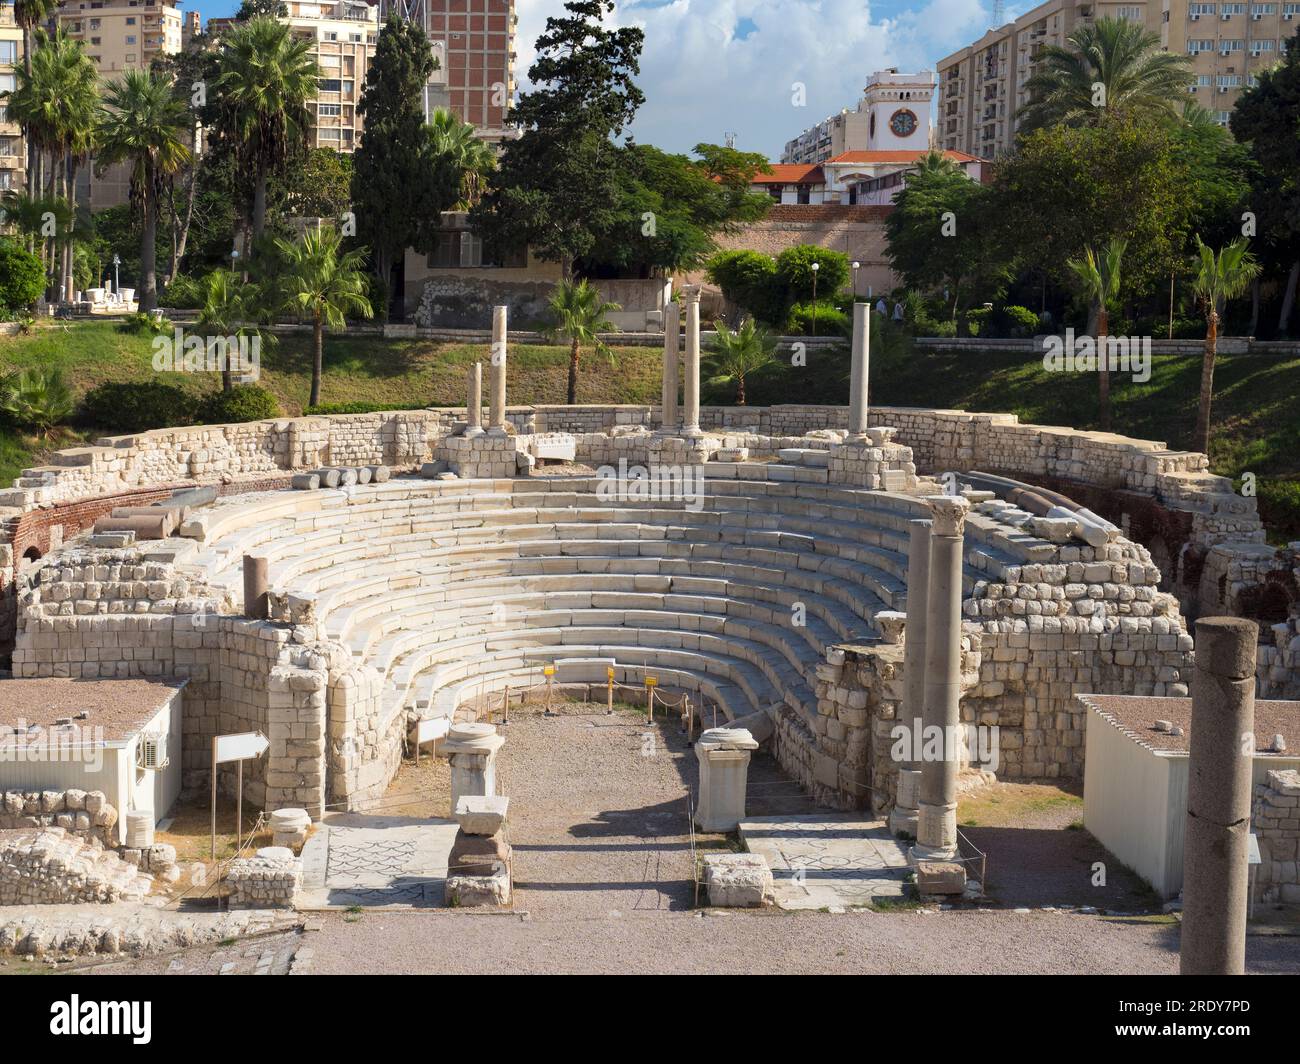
[(13, 148), (982, 86), (121, 35), (343, 43)]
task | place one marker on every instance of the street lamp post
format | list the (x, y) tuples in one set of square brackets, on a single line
[(856, 266), (815, 267), (117, 284)]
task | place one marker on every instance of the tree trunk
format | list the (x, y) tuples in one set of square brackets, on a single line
[(1288, 299), (740, 390), (185, 228), (1201, 439), (148, 297), (69, 261), (259, 201), (1103, 370), (1254, 307), (318, 358), (573, 373)]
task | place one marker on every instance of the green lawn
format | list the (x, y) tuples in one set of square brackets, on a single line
[(1256, 413)]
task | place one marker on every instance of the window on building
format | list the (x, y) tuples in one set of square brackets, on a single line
[(1263, 9), (1263, 46), (9, 52), (96, 40), (329, 84), (1231, 46), (1196, 46), (130, 38), (1232, 9), (8, 147), (1202, 9), (328, 110)]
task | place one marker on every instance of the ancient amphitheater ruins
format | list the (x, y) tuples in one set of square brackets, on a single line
[(765, 561)]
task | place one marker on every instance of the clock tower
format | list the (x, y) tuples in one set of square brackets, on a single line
[(898, 108)]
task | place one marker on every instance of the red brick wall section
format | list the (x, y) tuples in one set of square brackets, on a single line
[(32, 529)]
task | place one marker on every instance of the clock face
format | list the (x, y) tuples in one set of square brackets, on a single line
[(902, 123)]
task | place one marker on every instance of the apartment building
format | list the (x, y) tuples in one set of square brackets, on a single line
[(864, 128), (343, 43), (475, 40), (982, 86), (121, 35), (13, 148)]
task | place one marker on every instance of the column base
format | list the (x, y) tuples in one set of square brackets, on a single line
[(473, 431), (903, 823), (931, 853)]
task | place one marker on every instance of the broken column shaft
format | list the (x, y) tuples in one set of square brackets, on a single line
[(903, 818)]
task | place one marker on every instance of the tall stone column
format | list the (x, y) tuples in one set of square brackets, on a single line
[(474, 401), (858, 371), (691, 393), (903, 818), (1217, 837), (936, 836), (497, 371), (672, 355)]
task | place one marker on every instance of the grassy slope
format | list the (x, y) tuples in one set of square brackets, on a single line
[(1257, 399)]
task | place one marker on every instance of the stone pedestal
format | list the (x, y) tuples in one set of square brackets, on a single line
[(936, 837), (723, 754), (497, 371), (479, 869), (672, 355), (472, 749), (691, 388), (872, 460)]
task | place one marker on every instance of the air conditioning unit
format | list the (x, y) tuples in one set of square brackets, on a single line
[(1289, 16), (151, 753), (1224, 18), (1223, 89), (1256, 54), (1225, 53), (1256, 18), (1196, 18)]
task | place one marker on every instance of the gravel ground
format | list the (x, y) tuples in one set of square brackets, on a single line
[(752, 942)]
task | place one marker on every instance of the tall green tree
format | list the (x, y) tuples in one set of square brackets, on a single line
[(1066, 188), (557, 188), (1267, 117), (1109, 67), (322, 281), (578, 316), (1218, 278), (32, 15), (227, 302), (266, 78), (671, 208), (145, 126), (399, 188), (941, 235), (1099, 277)]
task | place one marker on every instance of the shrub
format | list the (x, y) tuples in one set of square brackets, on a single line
[(1279, 505), (831, 321), (748, 279), (184, 293), (794, 272), (142, 323), (1019, 321), (22, 278), (36, 399), (977, 321), (247, 402), (118, 407)]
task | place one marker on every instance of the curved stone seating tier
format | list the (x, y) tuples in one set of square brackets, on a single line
[(451, 590)]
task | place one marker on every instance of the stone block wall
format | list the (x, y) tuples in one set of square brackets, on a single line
[(84, 814), (49, 866), (1275, 818), (267, 880)]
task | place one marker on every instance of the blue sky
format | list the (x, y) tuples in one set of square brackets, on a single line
[(716, 66)]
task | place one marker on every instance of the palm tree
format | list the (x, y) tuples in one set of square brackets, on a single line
[(744, 352), (580, 318), (226, 303), (1109, 67), (472, 157), (28, 212), (37, 399), (266, 79), (1099, 278), (146, 126), (320, 280), (936, 162), (1219, 278)]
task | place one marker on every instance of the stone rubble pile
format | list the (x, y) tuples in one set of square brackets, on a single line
[(270, 879), (87, 814), (50, 867)]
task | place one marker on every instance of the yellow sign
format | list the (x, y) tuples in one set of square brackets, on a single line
[(548, 671), (650, 681), (609, 673)]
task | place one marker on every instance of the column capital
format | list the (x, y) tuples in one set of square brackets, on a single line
[(948, 514), (691, 293)]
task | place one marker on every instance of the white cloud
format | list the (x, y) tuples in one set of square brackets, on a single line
[(702, 81)]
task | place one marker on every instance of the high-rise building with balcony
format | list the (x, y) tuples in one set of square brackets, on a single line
[(982, 86), (475, 42), (123, 35), (13, 147)]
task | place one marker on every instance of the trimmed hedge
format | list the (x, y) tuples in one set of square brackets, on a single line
[(136, 406), (245, 402)]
